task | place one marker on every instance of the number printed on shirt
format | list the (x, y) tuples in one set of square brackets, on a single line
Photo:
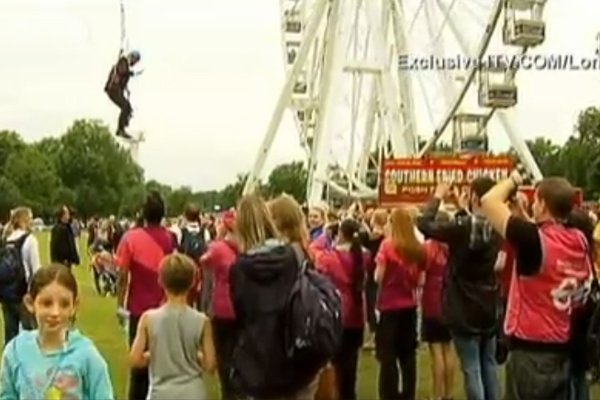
[(562, 296)]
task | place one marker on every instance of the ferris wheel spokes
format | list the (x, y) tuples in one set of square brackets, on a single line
[(284, 97), (317, 166), (405, 83), (447, 119)]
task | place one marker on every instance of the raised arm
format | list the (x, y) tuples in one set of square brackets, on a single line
[(446, 232), (493, 203), (521, 234)]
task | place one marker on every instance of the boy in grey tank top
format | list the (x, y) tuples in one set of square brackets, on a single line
[(175, 340)]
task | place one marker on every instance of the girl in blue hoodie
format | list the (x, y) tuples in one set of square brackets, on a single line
[(55, 362)]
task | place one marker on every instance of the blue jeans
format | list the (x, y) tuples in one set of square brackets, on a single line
[(477, 357), (580, 389)]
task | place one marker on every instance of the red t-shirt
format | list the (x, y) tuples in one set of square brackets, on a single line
[(140, 252)]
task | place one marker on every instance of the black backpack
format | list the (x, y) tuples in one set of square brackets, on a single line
[(280, 350), (314, 317), (13, 283), (586, 333), (192, 244)]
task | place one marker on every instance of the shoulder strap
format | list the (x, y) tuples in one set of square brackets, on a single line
[(163, 248), (20, 241), (301, 258)]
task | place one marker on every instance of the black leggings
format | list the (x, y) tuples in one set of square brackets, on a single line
[(346, 363), (121, 101), (139, 382), (396, 343), (225, 337), (371, 300)]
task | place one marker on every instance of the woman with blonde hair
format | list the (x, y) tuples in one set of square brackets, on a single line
[(261, 280), (317, 217), (18, 234), (289, 221), (398, 263)]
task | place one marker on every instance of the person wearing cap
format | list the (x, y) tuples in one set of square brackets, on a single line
[(116, 88)]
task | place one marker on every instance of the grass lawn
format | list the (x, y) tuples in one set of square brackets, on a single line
[(96, 318)]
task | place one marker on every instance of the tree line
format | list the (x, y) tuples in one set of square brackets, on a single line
[(89, 170)]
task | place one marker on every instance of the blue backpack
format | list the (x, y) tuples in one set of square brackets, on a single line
[(13, 282), (192, 244)]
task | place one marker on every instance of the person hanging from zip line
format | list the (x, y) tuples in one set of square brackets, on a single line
[(117, 91)]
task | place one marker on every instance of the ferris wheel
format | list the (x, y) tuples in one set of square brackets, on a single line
[(371, 79)]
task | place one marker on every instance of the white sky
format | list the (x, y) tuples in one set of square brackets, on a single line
[(213, 70)]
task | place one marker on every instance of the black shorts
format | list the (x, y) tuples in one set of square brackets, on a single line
[(433, 330)]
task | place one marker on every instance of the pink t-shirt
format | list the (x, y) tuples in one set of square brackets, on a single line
[(220, 257), (436, 256), (398, 288), (339, 267), (141, 251)]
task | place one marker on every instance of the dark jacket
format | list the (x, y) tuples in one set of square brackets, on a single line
[(471, 294), (62, 245), (118, 77), (260, 285)]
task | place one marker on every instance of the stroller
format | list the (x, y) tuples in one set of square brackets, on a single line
[(103, 269)]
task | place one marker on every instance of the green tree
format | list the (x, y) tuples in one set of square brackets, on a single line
[(35, 176), (588, 126), (50, 147), (96, 168), (178, 199), (546, 155), (289, 178), (228, 197), (155, 186), (10, 198), (10, 142), (132, 201)]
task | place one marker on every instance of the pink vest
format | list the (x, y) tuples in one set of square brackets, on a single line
[(539, 307)]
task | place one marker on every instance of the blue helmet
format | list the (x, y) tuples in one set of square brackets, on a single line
[(134, 56)]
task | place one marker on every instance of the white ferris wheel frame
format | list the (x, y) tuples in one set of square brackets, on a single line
[(383, 108)]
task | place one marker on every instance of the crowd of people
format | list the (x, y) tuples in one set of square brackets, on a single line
[(495, 279)]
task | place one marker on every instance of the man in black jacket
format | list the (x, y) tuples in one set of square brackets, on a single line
[(116, 88), (471, 295), (62, 240)]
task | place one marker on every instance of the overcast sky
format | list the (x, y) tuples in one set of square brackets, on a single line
[(213, 70)]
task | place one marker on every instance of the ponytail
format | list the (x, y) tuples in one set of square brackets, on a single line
[(358, 270), (350, 232)]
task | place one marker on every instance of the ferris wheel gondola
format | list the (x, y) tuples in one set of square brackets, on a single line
[(341, 59)]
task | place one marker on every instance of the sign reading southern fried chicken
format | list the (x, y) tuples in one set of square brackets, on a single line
[(413, 180)]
